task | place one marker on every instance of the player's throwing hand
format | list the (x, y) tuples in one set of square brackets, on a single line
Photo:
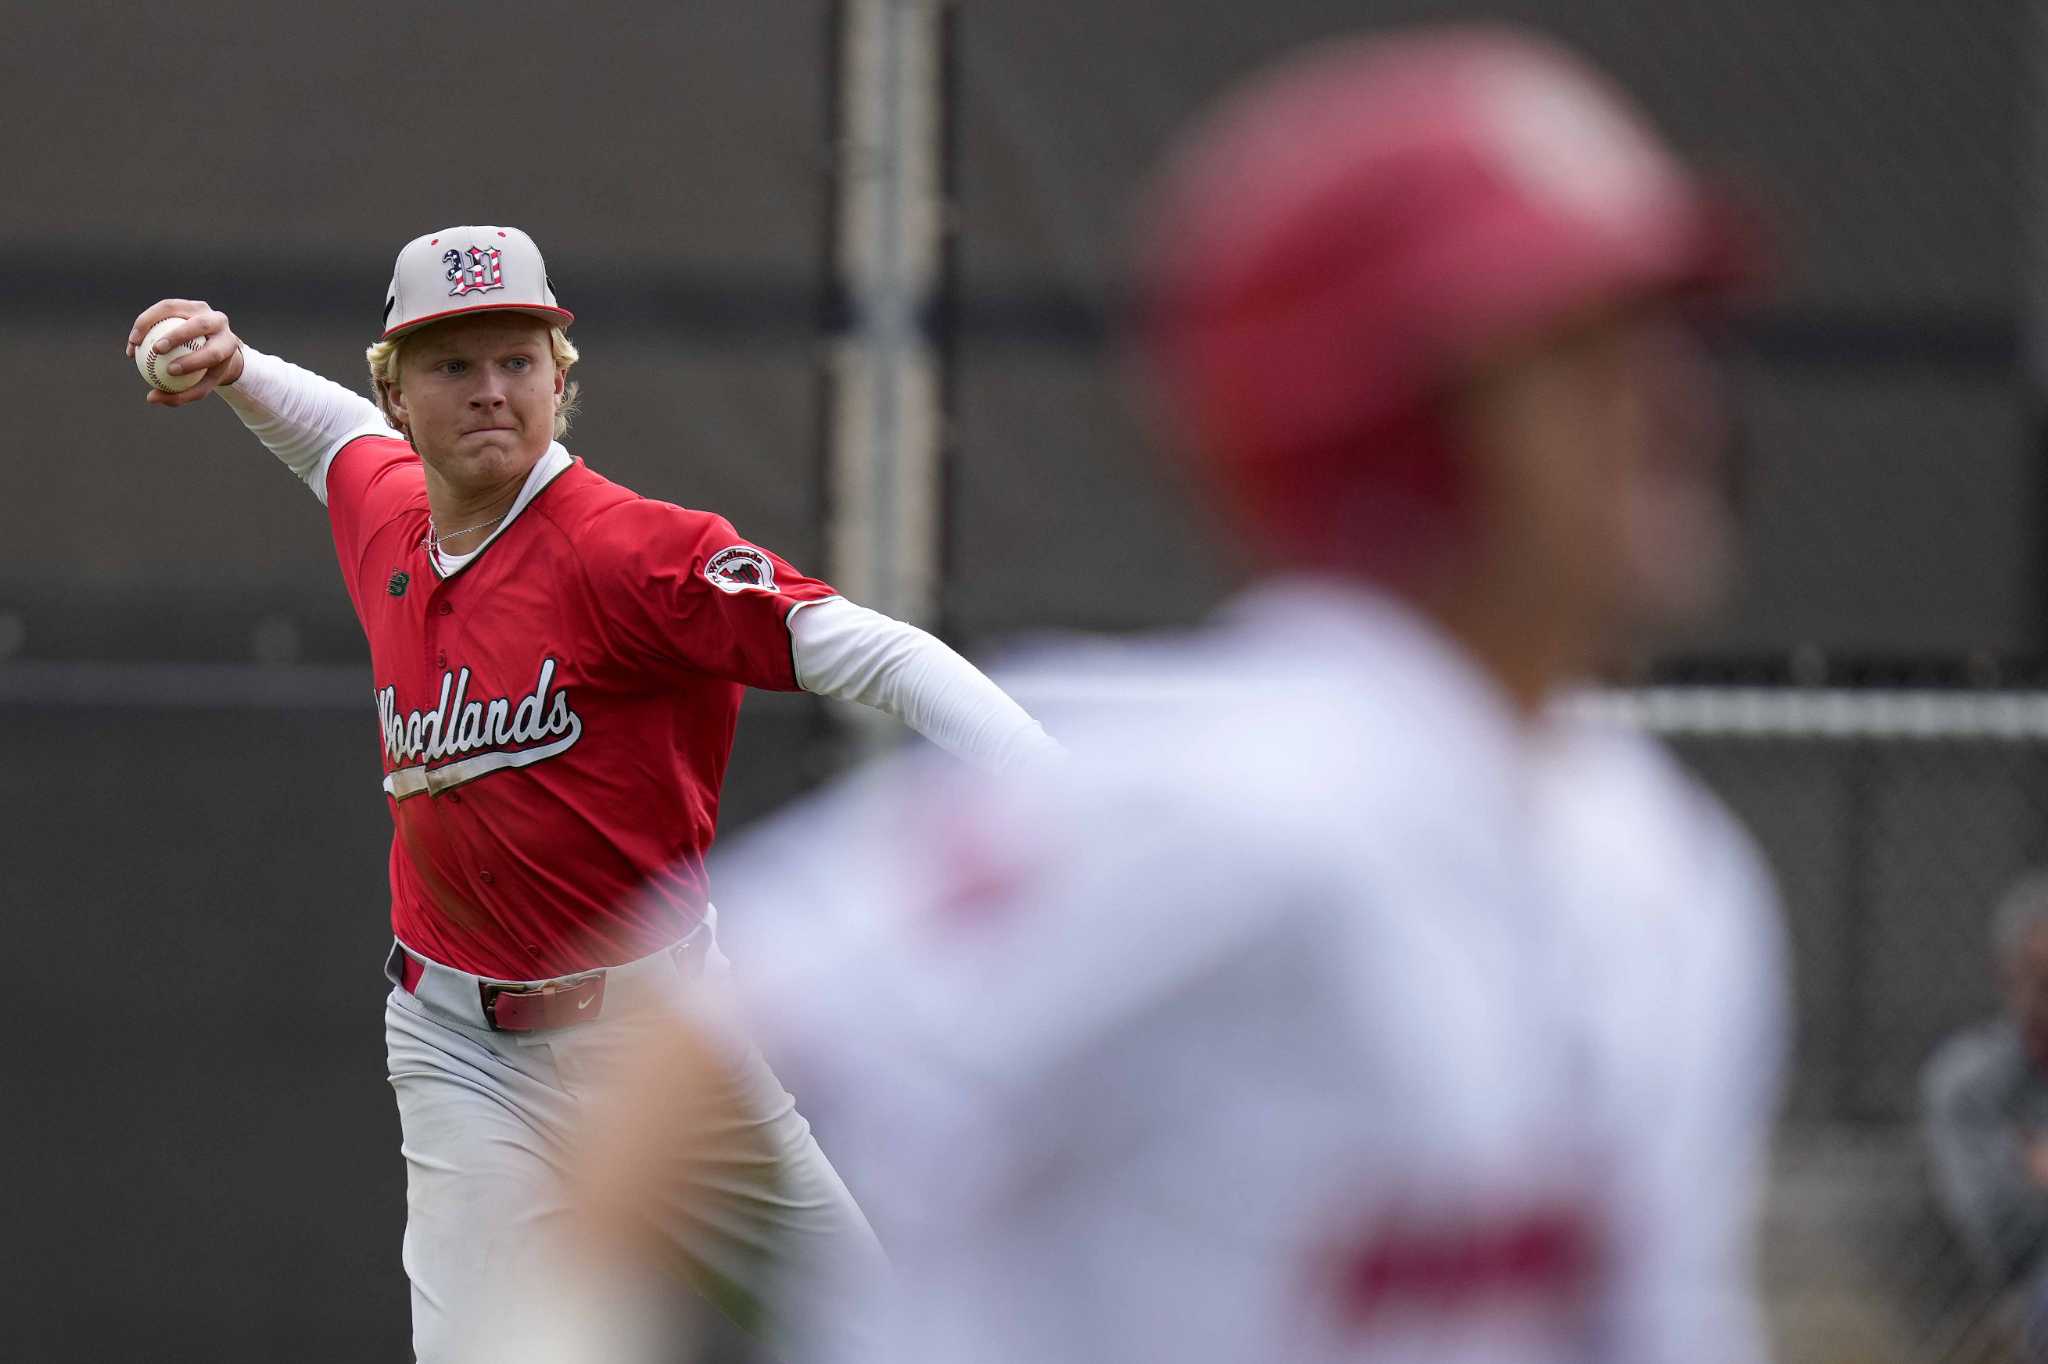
[(218, 361)]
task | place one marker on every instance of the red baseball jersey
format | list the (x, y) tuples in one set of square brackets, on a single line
[(556, 714)]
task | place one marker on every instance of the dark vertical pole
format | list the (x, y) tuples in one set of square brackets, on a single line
[(945, 323), (823, 750), (883, 523), (2033, 293)]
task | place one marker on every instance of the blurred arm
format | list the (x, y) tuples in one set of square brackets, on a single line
[(302, 418), (856, 654), (1694, 1178)]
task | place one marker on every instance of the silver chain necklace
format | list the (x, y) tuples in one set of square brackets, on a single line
[(434, 538)]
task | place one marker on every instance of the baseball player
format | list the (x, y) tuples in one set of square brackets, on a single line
[(1349, 996), (558, 666)]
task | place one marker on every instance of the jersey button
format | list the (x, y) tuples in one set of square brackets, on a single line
[(455, 798), (445, 609), (441, 660), (485, 877)]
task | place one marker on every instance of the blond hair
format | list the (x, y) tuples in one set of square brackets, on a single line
[(383, 358)]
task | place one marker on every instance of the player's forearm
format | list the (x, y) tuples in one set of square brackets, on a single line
[(300, 417), (855, 654)]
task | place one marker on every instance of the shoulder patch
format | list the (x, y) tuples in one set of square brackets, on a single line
[(740, 568)]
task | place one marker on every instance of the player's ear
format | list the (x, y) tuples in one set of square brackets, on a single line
[(394, 404)]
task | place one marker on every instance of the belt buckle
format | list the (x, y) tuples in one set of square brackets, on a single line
[(550, 1004)]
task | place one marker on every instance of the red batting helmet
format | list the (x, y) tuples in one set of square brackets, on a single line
[(1344, 239)]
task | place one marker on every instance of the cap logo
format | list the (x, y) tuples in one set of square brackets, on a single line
[(474, 270)]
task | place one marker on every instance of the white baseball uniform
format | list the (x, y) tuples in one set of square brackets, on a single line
[(1320, 1009)]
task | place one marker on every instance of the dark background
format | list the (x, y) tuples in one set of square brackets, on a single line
[(203, 1146)]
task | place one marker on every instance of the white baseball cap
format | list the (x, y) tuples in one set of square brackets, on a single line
[(469, 270)]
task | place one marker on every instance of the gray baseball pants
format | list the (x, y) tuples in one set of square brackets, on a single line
[(486, 1120)]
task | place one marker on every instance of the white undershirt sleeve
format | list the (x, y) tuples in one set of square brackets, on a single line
[(302, 418), (855, 654)]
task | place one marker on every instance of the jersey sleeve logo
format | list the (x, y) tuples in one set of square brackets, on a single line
[(740, 568)]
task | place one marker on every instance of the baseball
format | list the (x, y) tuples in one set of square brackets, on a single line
[(151, 365)]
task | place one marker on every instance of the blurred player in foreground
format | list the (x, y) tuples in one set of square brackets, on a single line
[(1346, 997), (558, 666)]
